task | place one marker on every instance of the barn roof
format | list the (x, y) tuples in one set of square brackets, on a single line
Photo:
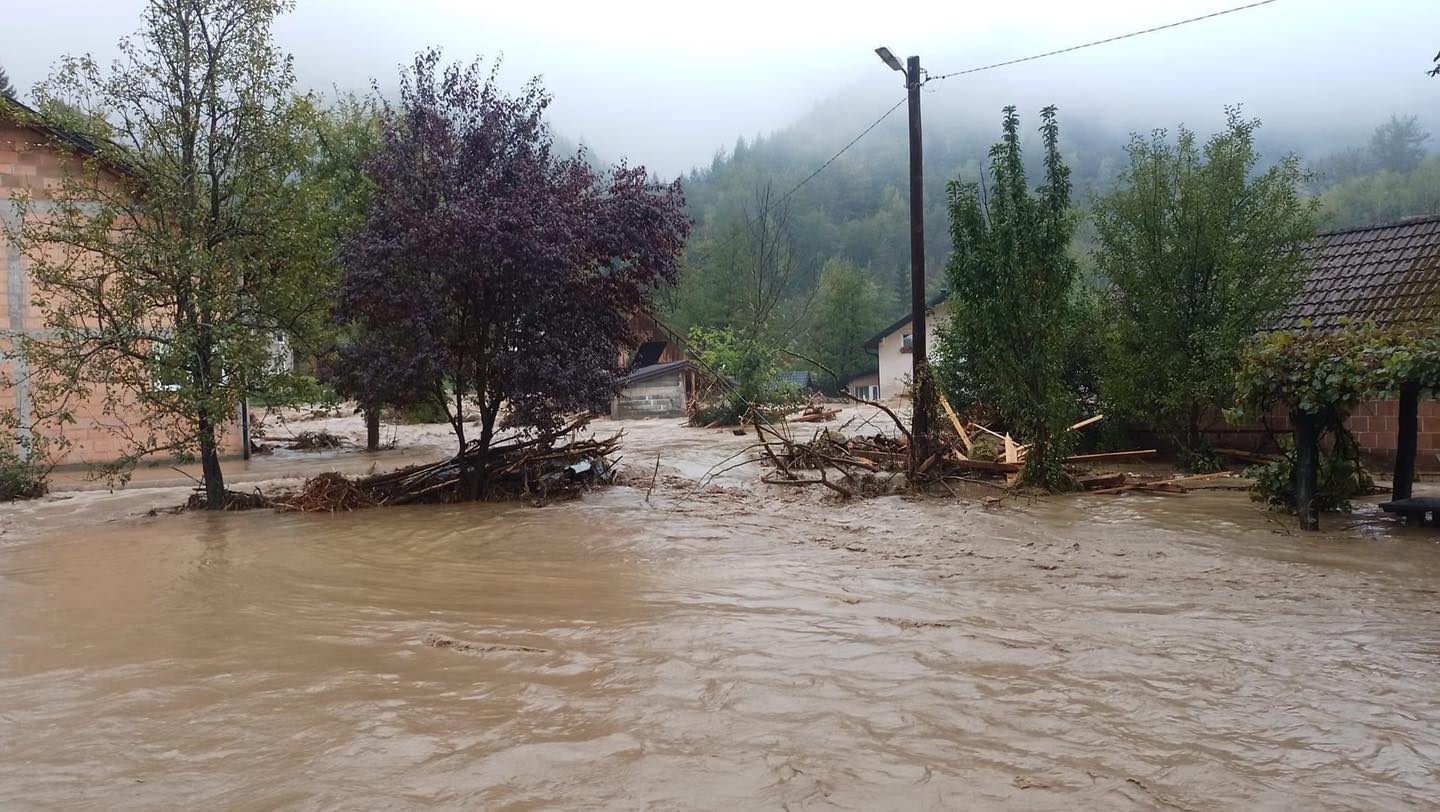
[(655, 371), (1387, 274)]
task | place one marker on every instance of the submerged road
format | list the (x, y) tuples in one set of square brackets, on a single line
[(727, 650)]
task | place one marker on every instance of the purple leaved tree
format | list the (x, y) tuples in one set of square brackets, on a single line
[(493, 276)]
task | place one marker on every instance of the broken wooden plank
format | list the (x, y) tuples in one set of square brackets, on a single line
[(1012, 454), (1089, 421), (1144, 487), (1220, 481), (1094, 483), (955, 421), (983, 465), (925, 466), (1111, 455), (1248, 456), (997, 435)]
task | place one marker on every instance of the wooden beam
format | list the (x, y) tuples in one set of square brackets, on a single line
[(1012, 454), (1111, 455), (1089, 421), (983, 465), (955, 421)]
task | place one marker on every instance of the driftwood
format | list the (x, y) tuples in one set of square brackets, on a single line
[(537, 467)]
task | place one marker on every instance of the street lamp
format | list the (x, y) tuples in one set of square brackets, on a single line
[(889, 59)]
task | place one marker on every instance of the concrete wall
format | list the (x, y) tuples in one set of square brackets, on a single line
[(28, 164), (896, 365), (661, 396)]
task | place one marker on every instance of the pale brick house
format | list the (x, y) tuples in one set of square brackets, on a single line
[(31, 161)]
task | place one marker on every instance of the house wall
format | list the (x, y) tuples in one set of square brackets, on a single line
[(1373, 423), (860, 384), (661, 396), (28, 164), (896, 365)]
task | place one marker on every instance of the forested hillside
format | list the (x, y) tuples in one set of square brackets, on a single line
[(756, 257)]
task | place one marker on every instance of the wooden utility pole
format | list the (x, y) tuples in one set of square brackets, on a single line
[(920, 363)]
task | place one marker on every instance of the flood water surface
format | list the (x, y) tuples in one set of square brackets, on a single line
[(720, 653)]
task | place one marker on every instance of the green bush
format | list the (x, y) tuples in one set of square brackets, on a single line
[(20, 478), (425, 412), (750, 367), (1342, 477)]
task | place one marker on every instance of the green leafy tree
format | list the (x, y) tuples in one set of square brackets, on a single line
[(748, 274), (1200, 250), (849, 308), (6, 88), (1013, 279), (1318, 377), (1398, 144), (1382, 197), (165, 267)]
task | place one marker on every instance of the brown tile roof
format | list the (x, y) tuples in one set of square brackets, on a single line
[(1387, 274)]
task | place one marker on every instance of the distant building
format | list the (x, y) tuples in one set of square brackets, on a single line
[(30, 162), (865, 386), (894, 346), (802, 379), (661, 379)]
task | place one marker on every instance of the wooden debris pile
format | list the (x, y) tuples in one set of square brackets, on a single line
[(539, 467), (814, 413), (234, 500), (866, 464), (1124, 483), (315, 441)]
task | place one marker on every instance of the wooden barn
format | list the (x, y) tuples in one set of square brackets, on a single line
[(661, 378)]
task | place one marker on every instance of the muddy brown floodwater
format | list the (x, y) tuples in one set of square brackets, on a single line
[(739, 648)]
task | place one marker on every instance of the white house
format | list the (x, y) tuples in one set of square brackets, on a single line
[(893, 344)]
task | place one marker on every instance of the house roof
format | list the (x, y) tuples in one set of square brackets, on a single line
[(12, 109), (800, 377), (1387, 274), (655, 371), (933, 301)]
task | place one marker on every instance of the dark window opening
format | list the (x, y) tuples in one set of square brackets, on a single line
[(649, 354)]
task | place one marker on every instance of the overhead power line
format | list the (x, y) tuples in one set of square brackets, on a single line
[(1009, 62), (852, 143), (1105, 41)]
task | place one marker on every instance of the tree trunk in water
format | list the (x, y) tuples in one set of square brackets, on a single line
[(213, 477), (487, 433), (1406, 443), (1307, 468), (372, 430)]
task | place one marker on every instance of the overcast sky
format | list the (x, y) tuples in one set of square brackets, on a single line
[(667, 83)]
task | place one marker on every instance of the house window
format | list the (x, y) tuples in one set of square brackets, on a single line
[(907, 343)]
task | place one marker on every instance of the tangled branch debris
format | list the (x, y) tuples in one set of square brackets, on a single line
[(539, 467), (521, 468), (864, 465), (315, 441)]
